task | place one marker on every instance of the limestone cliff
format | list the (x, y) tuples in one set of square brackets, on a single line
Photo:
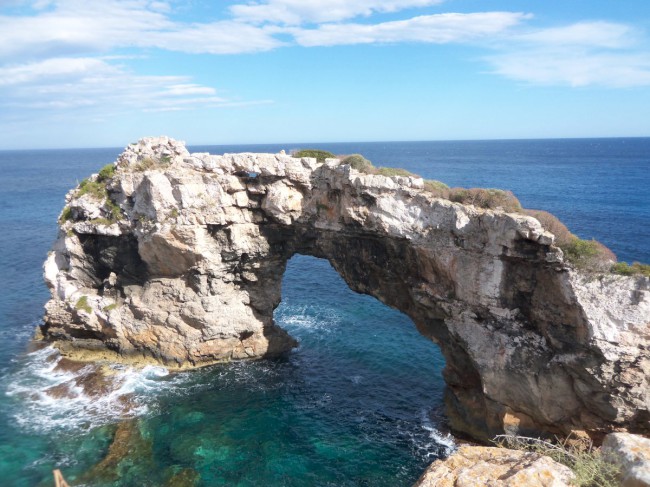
[(179, 257)]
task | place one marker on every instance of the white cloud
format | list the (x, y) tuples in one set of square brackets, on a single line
[(60, 54), (79, 27), (296, 12), (52, 69), (65, 83), (438, 28), (189, 89), (224, 37), (580, 54), (589, 34), (574, 67)]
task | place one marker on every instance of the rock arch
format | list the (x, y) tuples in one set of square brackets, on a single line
[(190, 273)]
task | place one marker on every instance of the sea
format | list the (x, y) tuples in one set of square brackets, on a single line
[(358, 403)]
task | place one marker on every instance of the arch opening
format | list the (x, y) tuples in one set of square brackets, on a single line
[(368, 383)]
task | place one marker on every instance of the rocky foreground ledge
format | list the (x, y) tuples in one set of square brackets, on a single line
[(178, 258)]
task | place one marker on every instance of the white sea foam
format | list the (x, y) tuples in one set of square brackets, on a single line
[(323, 319), (130, 392), (438, 439)]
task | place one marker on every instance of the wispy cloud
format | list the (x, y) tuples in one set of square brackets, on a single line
[(73, 54), (582, 54), (61, 55), (90, 82), (575, 68), (78, 27), (587, 34), (296, 12), (438, 29)]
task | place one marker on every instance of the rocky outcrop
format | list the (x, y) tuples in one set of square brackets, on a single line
[(178, 258), (480, 466)]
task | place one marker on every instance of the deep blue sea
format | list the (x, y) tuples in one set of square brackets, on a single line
[(357, 404)]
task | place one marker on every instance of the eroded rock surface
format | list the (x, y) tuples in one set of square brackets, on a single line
[(478, 466), (188, 272), (632, 454)]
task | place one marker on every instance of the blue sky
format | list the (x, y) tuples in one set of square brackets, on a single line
[(81, 73)]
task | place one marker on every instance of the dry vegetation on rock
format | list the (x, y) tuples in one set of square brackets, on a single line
[(587, 255), (586, 461)]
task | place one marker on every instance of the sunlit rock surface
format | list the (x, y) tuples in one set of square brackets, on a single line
[(479, 466), (632, 454), (188, 272)]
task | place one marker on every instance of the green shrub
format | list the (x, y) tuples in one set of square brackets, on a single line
[(115, 212), (636, 269), (438, 188), (361, 164), (93, 188), (66, 215), (589, 255), (320, 155), (102, 221), (486, 198), (106, 173), (82, 304), (358, 162), (98, 190), (111, 307), (587, 463), (393, 171)]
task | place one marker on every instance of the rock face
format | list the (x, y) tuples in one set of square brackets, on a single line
[(632, 453), (479, 466), (179, 257)]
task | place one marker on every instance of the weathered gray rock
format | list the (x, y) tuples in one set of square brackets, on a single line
[(191, 274), (632, 454), (479, 466)]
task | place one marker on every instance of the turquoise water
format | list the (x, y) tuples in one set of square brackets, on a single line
[(358, 403)]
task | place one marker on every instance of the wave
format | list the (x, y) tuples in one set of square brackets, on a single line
[(50, 393)]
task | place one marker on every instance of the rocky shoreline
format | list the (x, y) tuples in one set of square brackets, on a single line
[(177, 258)]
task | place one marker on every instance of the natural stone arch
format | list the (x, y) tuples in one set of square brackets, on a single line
[(191, 274)]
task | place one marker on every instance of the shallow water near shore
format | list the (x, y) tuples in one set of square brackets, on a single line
[(358, 403)]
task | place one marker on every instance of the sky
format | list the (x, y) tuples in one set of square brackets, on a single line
[(103, 73)]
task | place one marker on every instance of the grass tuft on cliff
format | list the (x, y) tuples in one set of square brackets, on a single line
[(149, 163), (487, 198), (66, 215), (358, 162), (588, 255), (107, 172), (585, 461), (361, 164), (320, 155), (636, 269), (96, 189), (82, 304)]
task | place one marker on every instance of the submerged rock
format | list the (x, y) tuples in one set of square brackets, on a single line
[(178, 258), (128, 456)]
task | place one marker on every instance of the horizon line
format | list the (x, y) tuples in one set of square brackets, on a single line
[(187, 144)]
